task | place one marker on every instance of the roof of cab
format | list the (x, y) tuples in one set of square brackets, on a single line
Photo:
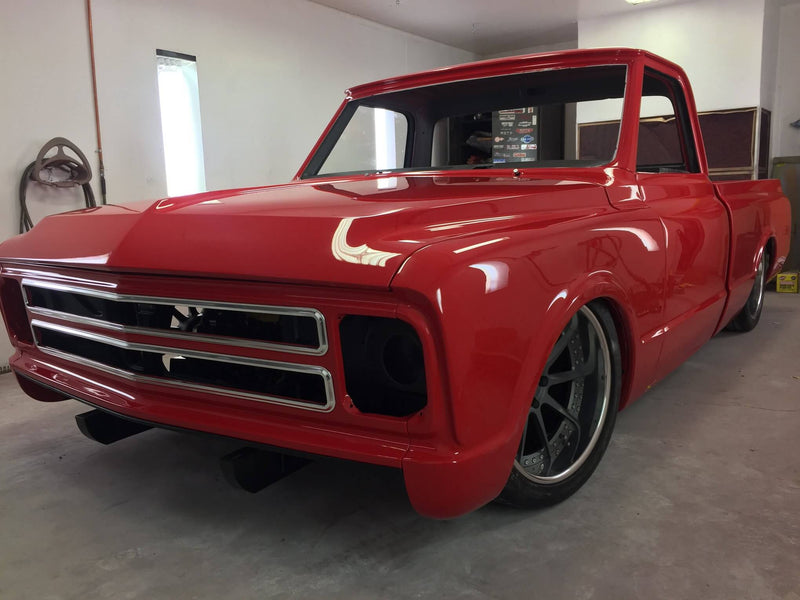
[(505, 66)]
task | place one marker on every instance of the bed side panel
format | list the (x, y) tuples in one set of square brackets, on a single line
[(759, 211)]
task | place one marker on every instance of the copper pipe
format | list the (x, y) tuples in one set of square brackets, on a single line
[(101, 168)]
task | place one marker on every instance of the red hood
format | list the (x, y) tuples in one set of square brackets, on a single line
[(354, 232)]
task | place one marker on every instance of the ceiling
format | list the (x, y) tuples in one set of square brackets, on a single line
[(488, 26)]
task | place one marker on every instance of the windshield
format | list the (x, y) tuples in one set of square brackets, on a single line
[(556, 118)]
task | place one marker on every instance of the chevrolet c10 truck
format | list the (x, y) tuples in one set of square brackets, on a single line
[(475, 269)]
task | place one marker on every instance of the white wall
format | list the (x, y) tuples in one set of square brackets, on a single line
[(769, 54), (717, 42), (786, 139), (271, 74), (45, 93), (570, 45)]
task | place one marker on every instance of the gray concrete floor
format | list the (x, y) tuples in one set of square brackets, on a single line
[(698, 497)]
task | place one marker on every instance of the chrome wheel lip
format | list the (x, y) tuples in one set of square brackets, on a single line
[(758, 288), (605, 352)]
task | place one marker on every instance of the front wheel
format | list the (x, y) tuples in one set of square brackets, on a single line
[(572, 414)]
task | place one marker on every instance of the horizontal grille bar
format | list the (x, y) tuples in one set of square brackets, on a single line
[(275, 382), (285, 329)]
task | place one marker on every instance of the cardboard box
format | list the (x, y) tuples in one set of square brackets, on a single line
[(787, 282)]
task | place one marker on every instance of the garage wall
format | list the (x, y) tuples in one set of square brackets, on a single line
[(271, 74), (769, 53), (46, 92), (717, 42), (786, 139), (569, 45)]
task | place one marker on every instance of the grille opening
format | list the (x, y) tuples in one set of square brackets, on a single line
[(229, 324), (14, 310), (306, 387), (384, 365)]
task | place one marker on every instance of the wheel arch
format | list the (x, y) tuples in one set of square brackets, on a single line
[(771, 248), (624, 329), (594, 287)]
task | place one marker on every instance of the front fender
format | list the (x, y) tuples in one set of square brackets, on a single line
[(500, 300)]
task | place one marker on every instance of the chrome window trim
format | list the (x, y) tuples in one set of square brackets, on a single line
[(96, 337), (313, 313)]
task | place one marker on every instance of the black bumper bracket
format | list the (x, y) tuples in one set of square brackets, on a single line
[(106, 428), (252, 469)]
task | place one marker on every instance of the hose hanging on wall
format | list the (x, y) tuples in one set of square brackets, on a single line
[(62, 170)]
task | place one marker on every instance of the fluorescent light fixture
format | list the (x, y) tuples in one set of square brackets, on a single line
[(182, 134), (638, 1)]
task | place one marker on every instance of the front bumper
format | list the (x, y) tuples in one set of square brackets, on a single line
[(441, 482), (443, 478)]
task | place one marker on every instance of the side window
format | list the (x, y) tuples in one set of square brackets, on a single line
[(373, 140), (666, 143)]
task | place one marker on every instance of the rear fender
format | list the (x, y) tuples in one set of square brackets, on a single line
[(759, 212), (760, 215)]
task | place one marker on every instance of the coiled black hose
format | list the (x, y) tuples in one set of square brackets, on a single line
[(78, 173)]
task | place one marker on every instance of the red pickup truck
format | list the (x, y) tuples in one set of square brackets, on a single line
[(474, 270)]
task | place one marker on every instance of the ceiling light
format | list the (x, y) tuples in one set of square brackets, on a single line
[(638, 1)]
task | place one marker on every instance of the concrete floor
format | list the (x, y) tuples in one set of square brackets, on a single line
[(698, 497)]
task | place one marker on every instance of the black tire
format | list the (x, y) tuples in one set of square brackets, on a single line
[(747, 318), (574, 406)]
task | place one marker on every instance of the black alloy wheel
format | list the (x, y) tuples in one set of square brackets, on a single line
[(572, 414)]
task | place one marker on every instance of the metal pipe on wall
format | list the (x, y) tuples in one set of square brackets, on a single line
[(101, 168)]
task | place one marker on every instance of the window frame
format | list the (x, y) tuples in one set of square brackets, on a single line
[(414, 151), (332, 138), (686, 139)]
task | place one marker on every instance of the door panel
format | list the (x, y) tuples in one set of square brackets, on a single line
[(697, 241)]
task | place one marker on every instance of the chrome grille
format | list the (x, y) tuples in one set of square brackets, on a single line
[(295, 330), (140, 338)]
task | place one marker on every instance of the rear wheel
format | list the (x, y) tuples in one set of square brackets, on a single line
[(748, 317), (572, 413)]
